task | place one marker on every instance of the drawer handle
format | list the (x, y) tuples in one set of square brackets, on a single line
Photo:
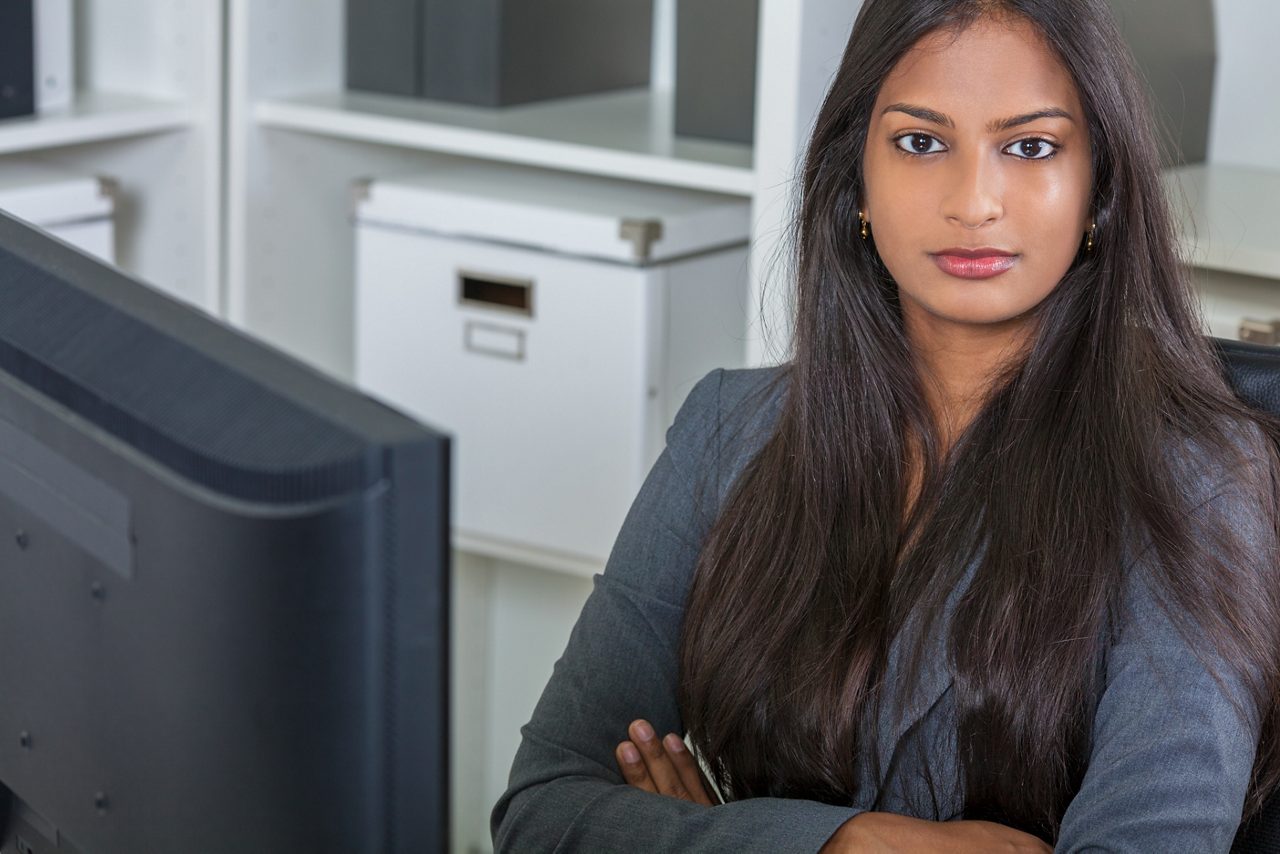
[(489, 339), (495, 292)]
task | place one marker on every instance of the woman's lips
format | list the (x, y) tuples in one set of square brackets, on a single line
[(974, 268)]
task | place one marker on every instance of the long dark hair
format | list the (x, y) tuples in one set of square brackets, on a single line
[(809, 569)]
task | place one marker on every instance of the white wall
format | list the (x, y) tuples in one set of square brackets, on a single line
[(1245, 126)]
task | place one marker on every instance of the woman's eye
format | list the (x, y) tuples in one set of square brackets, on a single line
[(1033, 148), (916, 143)]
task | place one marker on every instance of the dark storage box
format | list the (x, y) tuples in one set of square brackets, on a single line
[(716, 68), (497, 53), (17, 59)]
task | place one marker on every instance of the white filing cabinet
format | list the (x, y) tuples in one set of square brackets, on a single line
[(553, 323), (75, 208)]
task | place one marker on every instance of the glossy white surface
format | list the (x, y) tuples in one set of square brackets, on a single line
[(95, 117), (1229, 217), (569, 213), (625, 135)]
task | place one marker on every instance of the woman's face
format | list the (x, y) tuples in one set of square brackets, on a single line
[(955, 158)]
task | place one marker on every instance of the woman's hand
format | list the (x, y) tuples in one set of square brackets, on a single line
[(888, 833), (664, 767)]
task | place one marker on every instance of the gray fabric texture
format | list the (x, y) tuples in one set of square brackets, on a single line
[(1168, 770)]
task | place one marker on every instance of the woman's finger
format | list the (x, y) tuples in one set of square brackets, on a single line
[(661, 769), (634, 771), (687, 768)]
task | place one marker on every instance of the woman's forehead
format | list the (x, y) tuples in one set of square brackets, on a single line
[(1001, 67)]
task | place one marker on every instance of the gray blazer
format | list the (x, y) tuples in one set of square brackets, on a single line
[(1170, 760)]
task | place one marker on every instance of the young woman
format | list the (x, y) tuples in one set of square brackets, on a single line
[(990, 563)]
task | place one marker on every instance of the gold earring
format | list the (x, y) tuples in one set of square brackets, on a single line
[(1088, 247), (865, 224)]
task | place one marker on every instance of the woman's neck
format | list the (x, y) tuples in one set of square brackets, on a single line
[(957, 363)]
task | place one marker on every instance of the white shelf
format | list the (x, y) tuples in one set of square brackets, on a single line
[(1229, 217), (551, 561), (94, 117), (621, 135)]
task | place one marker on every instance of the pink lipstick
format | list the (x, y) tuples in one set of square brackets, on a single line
[(981, 263)]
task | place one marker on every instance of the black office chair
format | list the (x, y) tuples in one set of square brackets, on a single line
[(1254, 373)]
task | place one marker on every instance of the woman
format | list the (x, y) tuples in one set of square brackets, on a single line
[(990, 564)]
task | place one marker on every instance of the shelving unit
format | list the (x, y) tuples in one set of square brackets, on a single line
[(148, 115), (297, 141)]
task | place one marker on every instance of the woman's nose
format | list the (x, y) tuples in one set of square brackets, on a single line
[(973, 194)]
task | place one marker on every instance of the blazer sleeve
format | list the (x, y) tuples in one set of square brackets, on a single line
[(565, 792), (1173, 748)]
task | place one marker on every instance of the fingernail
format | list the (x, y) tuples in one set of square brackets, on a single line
[(674, 743), (630, 755), (644, 732)]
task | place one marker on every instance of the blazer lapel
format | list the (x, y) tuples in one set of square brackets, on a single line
[(934, 679)]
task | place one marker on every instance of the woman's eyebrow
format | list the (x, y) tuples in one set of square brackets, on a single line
[(928, 115)]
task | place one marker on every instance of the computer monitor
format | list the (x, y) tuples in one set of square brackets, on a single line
[(224, 583)]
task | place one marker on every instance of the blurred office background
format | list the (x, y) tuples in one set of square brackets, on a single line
[(538, 255)]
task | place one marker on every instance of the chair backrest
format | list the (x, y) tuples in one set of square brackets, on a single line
[(1254, 373)]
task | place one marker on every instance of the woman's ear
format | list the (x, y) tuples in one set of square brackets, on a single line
[(1100, 216)]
